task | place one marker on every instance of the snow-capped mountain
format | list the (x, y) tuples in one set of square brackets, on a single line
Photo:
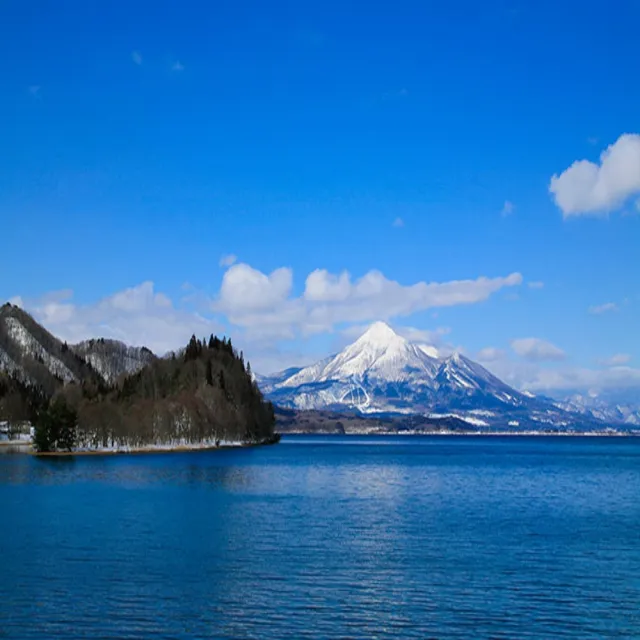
[(383, 373), (616, 407)]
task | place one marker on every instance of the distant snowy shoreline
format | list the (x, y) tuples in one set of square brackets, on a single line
[(159, 448), (594, 434), (178, 447)]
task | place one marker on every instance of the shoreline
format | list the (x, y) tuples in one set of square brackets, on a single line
[(147, 449), (138, 450), (565, 434), (27, 447)]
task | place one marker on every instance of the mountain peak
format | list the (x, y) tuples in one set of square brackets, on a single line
[(378, 333)]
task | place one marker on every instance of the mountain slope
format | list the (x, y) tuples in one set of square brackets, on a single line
[(621, 408), (111, 358), (383, 373), (35, 357)]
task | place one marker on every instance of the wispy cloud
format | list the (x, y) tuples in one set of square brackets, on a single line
[(136, 56), (507, 208), (398, 222), (537, 349), (490, 354), (34, 90), (616, 360), (177, 66), (589, 188), (535, 284), (227, 260), (599, 309)]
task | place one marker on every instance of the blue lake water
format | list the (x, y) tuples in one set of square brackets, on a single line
[(327, 537)]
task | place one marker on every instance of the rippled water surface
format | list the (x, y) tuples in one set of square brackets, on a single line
[(327, 537)]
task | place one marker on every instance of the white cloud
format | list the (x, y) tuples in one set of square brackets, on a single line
[(426, 336), (587, 188), (138, 316), (615, 378), (603, 308), (245, 289), (322, 286), (536, 284), (136, 56), (177, 66), (616, 360), (536, 349), (490, 354), (398, 222), (262, 304), (533, 375), (227, 260), (507, 208)]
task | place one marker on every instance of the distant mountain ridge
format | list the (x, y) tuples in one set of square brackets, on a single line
[(383, 373)]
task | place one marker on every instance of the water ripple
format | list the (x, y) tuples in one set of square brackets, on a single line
[(386, 538)]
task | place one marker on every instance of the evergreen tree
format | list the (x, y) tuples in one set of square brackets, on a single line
[(212, 343), (209, 374), (56, 427), (192, 350), (42, 436), (66, 422)]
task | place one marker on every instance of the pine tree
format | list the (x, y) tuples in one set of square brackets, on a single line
[(209, 374), (56, 427), (212, 343), (192, 350), (67, 420), (42, 436)]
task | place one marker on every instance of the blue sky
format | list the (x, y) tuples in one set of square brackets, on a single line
[(143, 141)]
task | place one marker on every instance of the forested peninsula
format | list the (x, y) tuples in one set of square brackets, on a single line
[(203, 395)]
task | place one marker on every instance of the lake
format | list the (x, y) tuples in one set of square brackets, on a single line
[(327, 537)]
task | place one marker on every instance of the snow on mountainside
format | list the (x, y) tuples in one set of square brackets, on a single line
[(111, 358), (31, 347), (610, 409), (383, 373), (379, 354), (37, 358)]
